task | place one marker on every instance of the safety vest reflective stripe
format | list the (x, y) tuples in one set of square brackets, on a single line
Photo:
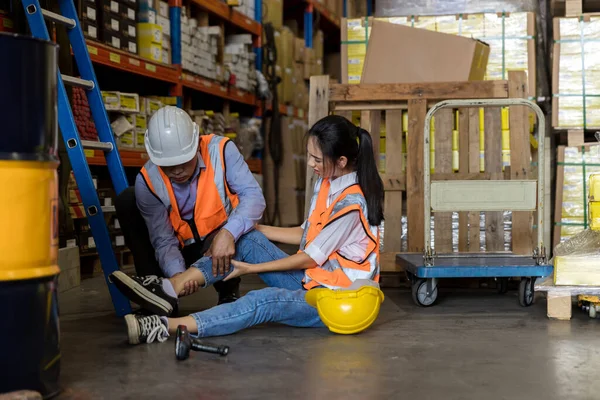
[(214, 200), (338, 271)]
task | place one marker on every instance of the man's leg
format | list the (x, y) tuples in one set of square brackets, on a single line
[(136, 235), (257, 307)]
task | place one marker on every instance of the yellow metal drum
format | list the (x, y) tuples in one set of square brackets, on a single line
[(29, 215)]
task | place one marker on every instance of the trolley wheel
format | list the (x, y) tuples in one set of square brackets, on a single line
[(592, 311), (526, 291), (420, 295), (502, 285)]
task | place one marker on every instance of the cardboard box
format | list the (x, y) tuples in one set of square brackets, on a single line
[(89, 12), (140, 138), (318, 44), (129, 45), (164, 23), (90, 29), (130, 102), (129, 30), (163, 8), (70, 272), (112, 100), (559, 306), (299, 47), (126, 140), (151, 106), (400, 54), (287, 48), (127, 12), (146, 12), (273, 13), (149, 34), (110, 6), (111, 23)]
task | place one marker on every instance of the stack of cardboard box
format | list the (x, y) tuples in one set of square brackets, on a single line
[(246, 7), (239, 60), (154, 31), (111, 22), (200, 48)]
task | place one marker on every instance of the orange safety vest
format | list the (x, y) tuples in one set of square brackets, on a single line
[(214, 200), (338, 271)]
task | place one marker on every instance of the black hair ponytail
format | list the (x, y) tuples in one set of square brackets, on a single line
[(338, 137), (368, 177)]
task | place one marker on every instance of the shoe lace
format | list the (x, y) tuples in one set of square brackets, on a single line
[(149, 279), (153, 329)]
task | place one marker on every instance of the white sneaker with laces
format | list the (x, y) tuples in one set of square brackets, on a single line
[(145, 329)]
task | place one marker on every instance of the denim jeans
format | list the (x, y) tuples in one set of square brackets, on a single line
[(282, 302)]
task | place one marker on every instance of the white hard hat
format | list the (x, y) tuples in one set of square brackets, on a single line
[(172, 137)]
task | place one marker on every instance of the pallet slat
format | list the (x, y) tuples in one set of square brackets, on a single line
[(474, 167), (443, 164), (393, 165), (463, 168), (494, 226), (417, 109)]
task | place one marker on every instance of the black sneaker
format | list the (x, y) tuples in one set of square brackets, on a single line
[(145, 329), (146, 291), (228, 291)]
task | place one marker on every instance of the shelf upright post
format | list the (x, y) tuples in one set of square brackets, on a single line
[(308, 26), (345, 8), (258, 39), (175, 17)]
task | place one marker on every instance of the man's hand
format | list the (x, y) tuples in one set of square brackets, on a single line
[(239, 269), (221, 250)]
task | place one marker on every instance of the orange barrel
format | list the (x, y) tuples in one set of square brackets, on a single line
[(28, 216)]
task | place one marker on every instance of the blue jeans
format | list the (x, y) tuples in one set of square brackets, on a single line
[(282, 302)]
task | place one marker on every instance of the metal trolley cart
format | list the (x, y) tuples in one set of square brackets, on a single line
[(424, 270)]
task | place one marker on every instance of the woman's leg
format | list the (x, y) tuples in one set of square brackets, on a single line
[(259, 306)]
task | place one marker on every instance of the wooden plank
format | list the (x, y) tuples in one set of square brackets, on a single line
[(318, 108), (417, 109), (345, 114), (393, 165), (520, 160), (558, 201), (387, 261), (443, 164), (474, 217), (371, 122), (406, 91), (531, 55), (555, 71), (575, 138), (573, 8), (463, 168), (494, 226)]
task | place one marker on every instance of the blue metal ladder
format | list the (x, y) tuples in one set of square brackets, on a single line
[(35, 16)]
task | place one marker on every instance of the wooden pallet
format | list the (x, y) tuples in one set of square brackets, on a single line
[(560, 298), (391, 99)]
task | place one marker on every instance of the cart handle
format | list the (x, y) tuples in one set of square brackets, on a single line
[(477, 103)]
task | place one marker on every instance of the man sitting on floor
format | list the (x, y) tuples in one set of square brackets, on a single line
[(195, 196)]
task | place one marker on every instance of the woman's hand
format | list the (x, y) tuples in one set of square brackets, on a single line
[(239, 269)]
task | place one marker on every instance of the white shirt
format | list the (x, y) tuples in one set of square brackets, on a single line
[(345, 234)]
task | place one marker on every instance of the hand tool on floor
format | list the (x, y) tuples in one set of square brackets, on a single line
[(184, 343)]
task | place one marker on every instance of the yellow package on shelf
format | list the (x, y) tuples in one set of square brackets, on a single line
[(594, 193), (149, 34), (594, 211), (577, 270)]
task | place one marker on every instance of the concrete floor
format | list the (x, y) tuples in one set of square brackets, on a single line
[(472, 345)]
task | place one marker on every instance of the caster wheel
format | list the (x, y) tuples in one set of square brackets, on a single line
[(502, 285), (420, 295), (526, 291), (592, 311)]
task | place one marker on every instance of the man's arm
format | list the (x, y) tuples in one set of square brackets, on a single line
[(160, 229), (241, 181)]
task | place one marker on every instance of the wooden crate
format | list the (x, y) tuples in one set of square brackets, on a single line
[(576, 90), (510, 36), (391, 99)]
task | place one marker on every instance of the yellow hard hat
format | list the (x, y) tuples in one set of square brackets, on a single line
[(347, 311)]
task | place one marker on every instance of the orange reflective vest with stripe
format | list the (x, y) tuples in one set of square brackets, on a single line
[(214, 199), (338, 271)]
